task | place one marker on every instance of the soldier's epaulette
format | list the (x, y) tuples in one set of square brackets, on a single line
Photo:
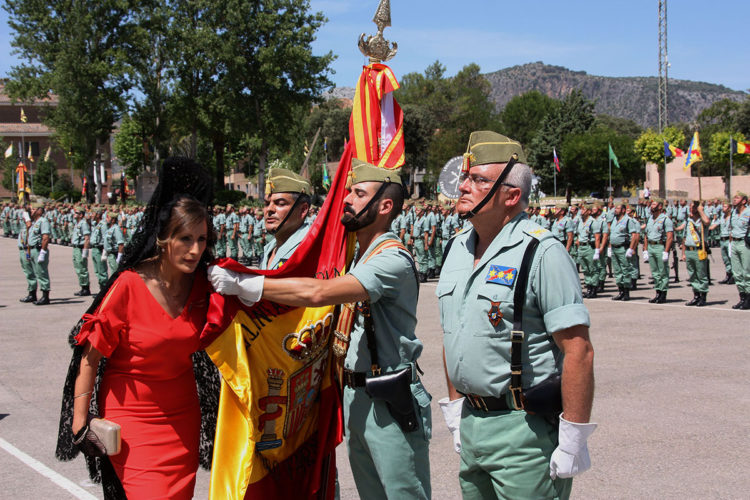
[(538, 232)]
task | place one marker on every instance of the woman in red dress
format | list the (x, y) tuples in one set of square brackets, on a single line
[(148, 326)]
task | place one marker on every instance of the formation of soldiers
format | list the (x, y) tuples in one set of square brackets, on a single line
[(606, 240), (614, 239)]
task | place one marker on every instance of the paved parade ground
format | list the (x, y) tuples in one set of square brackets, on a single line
[(672, 399)]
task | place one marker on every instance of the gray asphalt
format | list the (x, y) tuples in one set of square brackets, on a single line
[(671, 397)]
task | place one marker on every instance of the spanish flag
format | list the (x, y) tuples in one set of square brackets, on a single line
[(280, 416), (376, 127), (694, 152)]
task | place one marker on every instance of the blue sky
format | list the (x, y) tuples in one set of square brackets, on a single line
[(706, 41)]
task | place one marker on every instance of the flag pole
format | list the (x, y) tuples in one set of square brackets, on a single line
[(665, 175), (554, 173), (610, 177)]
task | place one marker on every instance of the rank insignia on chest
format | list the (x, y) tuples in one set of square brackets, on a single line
[(502, 275), (495, 314)]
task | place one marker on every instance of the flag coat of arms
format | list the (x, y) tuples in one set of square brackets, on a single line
[(279, 418)]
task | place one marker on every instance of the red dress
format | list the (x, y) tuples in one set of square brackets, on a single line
[(148, 386)]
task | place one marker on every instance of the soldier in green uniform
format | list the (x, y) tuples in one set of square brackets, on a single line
[(562, 226), (419, 236), (586, 248), (246, 223), (430, 226), (232, 223), (387, 460), (24, 255), (693, 252), (287, 206), (81, 242), (740, 225), (600, 228), (506, 451), (656, 247), (5, 216), (114, 242), (220, 229), (623, 237), (721, 225), (635, 264), (259, 235), (98, 232), (38, 239)]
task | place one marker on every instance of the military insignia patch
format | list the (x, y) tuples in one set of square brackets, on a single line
[(502, 275), (495, 314), (538, 232)]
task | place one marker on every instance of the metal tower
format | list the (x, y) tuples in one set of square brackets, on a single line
[(663, 65)]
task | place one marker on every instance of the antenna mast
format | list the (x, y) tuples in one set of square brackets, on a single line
[(663, 65)]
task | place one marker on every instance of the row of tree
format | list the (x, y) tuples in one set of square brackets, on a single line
[(213, 80)]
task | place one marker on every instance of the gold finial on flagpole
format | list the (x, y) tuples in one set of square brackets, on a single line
[(377, 48)]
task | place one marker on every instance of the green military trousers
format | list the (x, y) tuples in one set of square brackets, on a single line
[(81, 267), (602, 266), (40, 269), (431, 261), (506, 454), (697, 270), (438, 246), (420, 255), (100, 267), (112, 262), (741, 265), (387, 462), (220, 249), (725, 255), (621, 267), (28, 270), (588, 268), (246, 246), (659, 268), (233, 250)]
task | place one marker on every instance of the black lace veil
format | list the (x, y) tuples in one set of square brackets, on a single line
[(178, 177)]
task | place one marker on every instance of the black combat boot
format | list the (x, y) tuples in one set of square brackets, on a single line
[(662, 297), (725, 280), (731, 280), (621, 294), (422, 278), (634, 284), (701, 299), (739, 304), (656, 298), (746, 302), (592, 291), (601, 287), (625, 294), (696, 298), (31, 297), (83, 292), (44, 300)]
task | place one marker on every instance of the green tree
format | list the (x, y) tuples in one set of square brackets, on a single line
[(742, 118), (650, 147), (587, 160), (128, 147), (45, 176), (523, 115), (622, 126), (719, 150), (574, 115)]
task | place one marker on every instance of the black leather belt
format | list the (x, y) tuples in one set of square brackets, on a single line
[(592, 245), (357, 379), (98, 247), (78, 246), (486, 403), (724, 238), (618, 246)]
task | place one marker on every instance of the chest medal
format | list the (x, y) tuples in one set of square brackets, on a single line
[(495, 314)]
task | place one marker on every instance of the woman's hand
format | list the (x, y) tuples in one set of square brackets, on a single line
[(79, 422)]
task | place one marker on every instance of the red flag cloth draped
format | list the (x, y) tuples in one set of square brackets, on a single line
[(83, 189), (376, 127), (21, 177), (280, 412)]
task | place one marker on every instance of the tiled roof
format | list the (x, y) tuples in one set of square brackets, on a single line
[(18, 129), (5, 99)]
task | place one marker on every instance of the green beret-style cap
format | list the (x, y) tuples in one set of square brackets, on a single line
[(487, 147), (367, 172), (741, 194), (282, 180)]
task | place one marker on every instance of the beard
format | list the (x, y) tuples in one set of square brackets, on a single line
[(353, 223)]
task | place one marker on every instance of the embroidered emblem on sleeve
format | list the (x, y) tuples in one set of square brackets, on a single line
[(502, 275)]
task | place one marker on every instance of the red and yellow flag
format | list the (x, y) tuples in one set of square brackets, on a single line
[(743, 148), (21, 177), (376, 127), (694, 152), (280, 412)]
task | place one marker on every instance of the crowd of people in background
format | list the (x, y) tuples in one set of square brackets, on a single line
[(611, 239)]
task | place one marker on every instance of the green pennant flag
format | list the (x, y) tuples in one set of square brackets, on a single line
[(613, 157)]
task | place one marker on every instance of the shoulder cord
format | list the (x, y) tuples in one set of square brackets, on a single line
[(517, 334)]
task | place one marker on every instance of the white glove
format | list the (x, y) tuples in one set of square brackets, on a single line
[(645, 256), (609, 252), (104, 255), (729, 250), (85, 253), (42, 256), (452, 415), (571, 457), (247, 287), (629, 253), (119, 257), (596, 254), (665, 256)]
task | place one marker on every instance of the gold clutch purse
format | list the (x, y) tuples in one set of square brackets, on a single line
[(99, 437), (702, 255)]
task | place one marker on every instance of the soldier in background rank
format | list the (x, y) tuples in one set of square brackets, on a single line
[(114, 242), (586, 248), (24, 255), (81, 242), (220, 228), (232, 223), (693, 252), (98, 233), (740, 228), (562, 227), (259, 235), (246, 223), (287, 205), (724, 232), (600, 228), (38, 241), (656, 247), (623, 237), (420, 234)]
